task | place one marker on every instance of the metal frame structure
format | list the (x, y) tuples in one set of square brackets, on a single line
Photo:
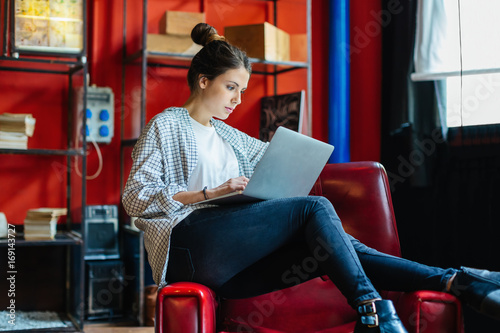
[(145, 59), (76, 68)]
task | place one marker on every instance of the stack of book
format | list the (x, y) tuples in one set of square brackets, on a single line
[(15, 130), (41, 223)]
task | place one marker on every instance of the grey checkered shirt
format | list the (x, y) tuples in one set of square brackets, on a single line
[(164, 158)]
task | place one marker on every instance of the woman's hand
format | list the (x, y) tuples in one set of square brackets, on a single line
[(232, 185)]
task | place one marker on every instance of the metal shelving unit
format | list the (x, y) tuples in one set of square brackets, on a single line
[(62, 238), (66, 266), (144, 59), (68, 239)]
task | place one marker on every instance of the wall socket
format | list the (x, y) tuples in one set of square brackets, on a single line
[(100, 114)]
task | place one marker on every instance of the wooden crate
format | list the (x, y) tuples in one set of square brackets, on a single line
[(262, 41), (298, 47), (180, 23), (171, 44)]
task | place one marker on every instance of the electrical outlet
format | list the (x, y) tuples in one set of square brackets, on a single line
[(100, 114)]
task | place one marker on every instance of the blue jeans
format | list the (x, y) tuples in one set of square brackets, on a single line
[(251, 249)]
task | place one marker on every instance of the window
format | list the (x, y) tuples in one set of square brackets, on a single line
[(458, 41), (473, 100)]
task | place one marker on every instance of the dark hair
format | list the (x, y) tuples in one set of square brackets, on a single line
[(215, 58)]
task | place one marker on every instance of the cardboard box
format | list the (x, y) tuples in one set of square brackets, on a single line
[(180, 23), (171, 44), (298, 47), (262, 41)]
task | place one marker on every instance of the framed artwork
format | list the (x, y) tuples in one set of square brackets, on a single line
[(281, 110), (53, 27)]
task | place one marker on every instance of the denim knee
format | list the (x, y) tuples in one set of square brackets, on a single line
[(323, 203)]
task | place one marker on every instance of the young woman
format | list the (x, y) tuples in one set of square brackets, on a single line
[(184, 156)]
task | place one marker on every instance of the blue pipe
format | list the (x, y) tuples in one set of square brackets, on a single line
[(338, 78)]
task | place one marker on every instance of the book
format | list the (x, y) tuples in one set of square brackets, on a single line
[(41, 223), (18, 123), (285, 110), (45, 212), (13, 140), (15, 130), (40, 229)]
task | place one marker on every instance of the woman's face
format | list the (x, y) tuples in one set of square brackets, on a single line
[(221, 95)]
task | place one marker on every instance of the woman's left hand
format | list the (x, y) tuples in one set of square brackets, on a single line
[(231, 185)]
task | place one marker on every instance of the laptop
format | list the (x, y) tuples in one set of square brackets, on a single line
[(289, 168)]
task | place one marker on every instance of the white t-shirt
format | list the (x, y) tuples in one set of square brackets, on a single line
[(217, 161)]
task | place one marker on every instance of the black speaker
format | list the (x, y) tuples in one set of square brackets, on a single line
[(105, 284), (101, 233)]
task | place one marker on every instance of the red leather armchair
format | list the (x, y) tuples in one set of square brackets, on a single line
[(360, 194)]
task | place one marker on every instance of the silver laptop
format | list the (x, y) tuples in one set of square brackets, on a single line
[(289, 168)]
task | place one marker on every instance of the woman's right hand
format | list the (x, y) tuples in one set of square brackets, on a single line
[(232, 185)]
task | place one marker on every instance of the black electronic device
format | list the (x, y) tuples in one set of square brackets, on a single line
[(105, 285), (101, 233)]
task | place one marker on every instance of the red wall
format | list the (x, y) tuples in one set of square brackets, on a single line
[(30, 181), (366, 77)]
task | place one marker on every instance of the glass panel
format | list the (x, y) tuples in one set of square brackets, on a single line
[(480, 32), (478, 102)]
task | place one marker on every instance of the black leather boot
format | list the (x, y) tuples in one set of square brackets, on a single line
[(478, 288), (378, 316)]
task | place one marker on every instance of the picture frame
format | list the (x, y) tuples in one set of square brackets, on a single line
[(48, 27), (281, 110)]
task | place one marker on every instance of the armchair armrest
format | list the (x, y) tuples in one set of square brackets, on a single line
[(430, 312), (185, 307)]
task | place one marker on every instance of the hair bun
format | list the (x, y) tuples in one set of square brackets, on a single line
[(203, 33)]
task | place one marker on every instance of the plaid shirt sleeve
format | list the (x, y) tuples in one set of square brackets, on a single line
[(157, 172)]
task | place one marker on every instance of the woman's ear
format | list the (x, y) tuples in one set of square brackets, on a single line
[(202, 81)]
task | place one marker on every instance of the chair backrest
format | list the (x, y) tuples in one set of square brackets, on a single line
[(360, 194)]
